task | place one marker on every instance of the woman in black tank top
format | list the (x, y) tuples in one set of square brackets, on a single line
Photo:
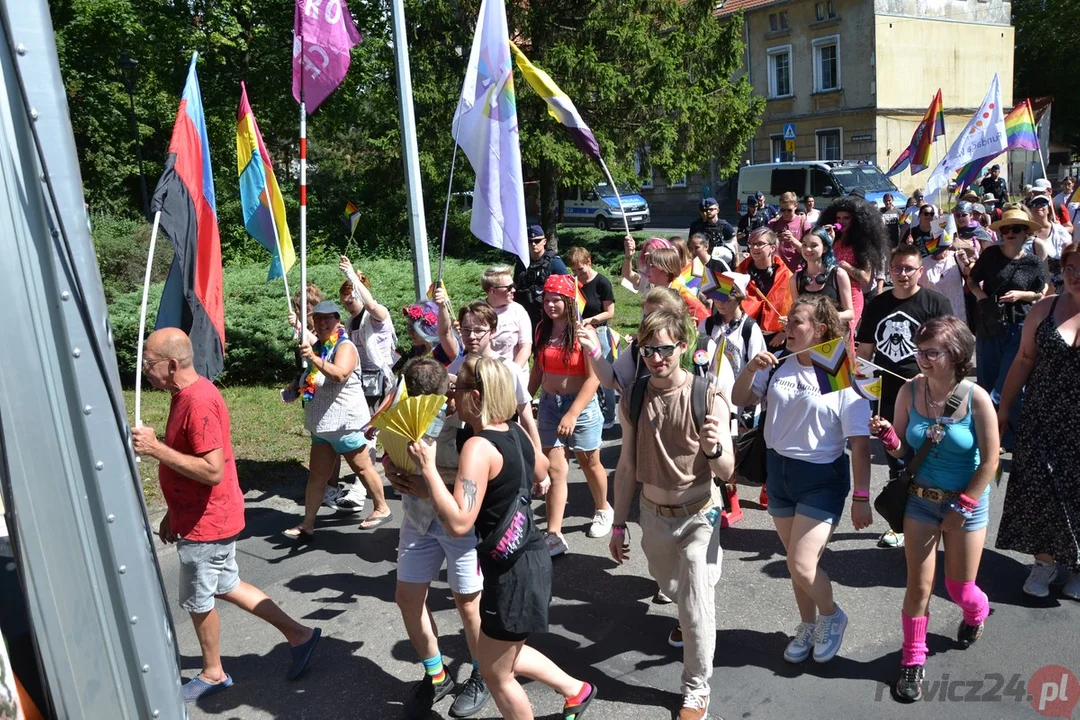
[(820, 274), (498, 465)]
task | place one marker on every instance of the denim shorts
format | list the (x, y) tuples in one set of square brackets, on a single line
[(798, 487), (421, 556), (932, 513), (342, 441), (587, 430), (207, 569)]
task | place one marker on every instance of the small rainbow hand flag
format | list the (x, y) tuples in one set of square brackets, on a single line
[(616, 342), (942, 234), (832, 365), (717, 286), (869, 388), (689, 280)]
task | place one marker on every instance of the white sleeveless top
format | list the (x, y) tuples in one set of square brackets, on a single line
[(337, 406)]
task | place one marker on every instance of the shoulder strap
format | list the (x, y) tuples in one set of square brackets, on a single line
[(747, 331), (637, 399), (952, 406), (699, 400)]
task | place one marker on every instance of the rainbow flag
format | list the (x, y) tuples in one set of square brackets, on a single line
[(832, 365), (869, 388), (717, 286), (260, 197), (1020, 133), (560, 106), (351, 218), (942, 232), (917, 153), (689, 280), (616, 343)]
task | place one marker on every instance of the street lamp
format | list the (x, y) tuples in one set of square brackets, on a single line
[(128, 66)]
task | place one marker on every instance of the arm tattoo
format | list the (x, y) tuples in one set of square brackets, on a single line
[(469, 488)]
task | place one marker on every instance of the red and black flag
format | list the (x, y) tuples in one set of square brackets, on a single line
[(193, 297)]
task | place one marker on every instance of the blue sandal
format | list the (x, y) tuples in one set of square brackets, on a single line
[(196, 688), (302, 653)]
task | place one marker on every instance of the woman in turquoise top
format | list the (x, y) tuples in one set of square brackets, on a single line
[(950, 495)]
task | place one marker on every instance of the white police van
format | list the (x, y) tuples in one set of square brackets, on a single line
[(825, 180), (597, 206)]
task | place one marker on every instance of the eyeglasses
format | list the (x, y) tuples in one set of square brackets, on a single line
[(759, 245), (665, 351), (1014, 229), (534, 241), (474, 331), (929, 355), (147, 363), (929, 214), (508, 288), (1038, 203), (904, 270)]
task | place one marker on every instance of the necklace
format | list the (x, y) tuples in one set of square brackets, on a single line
[(936, 431)]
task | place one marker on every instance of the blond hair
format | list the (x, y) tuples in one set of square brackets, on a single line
[(789, 198), (493, 273), (664, 320), (495, 382), (578, 256), (664, 298), (667, 260)]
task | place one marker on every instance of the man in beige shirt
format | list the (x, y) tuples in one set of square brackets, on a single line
[(675, 456)]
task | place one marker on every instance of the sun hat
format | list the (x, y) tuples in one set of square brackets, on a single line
[(1014, 216)]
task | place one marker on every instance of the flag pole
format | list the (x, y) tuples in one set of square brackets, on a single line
[(1038, 143), (603, 166), (303, 204), (446, 214), (142, 320)]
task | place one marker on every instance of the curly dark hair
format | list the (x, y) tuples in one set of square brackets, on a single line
[(867, 235)]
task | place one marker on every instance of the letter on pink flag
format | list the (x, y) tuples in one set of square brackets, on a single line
[(324, 33)]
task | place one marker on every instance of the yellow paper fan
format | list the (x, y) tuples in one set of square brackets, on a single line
[(411, 417), (399, 393), (397, 447)]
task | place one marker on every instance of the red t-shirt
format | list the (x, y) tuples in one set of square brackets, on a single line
[(198, 423)]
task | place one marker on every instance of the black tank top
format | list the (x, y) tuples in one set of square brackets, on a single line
[(830, 288), (505, 489)]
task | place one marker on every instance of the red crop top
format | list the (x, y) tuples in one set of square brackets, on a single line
[(551, 359)]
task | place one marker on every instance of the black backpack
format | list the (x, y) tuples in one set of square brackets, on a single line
[(703, 342)]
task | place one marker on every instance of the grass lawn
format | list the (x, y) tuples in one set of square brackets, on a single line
[(268, 437)]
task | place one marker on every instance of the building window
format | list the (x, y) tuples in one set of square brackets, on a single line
[(829, 12), (678, 182), (643, 168), (828, 145), (827, 63), (777, 152), (783, 20), (779, 71), (824, 10), (774, 25)]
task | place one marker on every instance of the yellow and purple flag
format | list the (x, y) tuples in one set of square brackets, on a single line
[(832, 365), (260, 197), (560, 106), (869, 388)]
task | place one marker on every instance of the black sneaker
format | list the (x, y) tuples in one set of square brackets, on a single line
[(425, 694), (472, 696), (966, 634), (908, 688)]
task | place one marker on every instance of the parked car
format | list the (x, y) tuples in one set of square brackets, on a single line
[(826, 180), (598, 206)]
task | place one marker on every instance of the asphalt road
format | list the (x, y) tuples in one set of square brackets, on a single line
[(605, 629)]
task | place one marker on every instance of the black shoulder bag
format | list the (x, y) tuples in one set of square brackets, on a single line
[(892, 500), (507, 541)]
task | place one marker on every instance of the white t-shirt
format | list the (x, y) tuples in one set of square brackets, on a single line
[(803, 424), (734, 350), (515, 328)]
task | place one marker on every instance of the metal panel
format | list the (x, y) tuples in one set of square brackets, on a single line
[(82, 539)]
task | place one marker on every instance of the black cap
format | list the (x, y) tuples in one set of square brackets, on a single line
[(760, 195), (751, 200), (858, 192), (707, 203), (327, 307), (535, 231), (995, 167)]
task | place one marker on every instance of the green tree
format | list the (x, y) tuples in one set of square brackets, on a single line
[(1046, 40)]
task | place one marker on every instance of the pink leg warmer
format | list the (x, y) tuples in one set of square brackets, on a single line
[(971, 600), (914, 650)]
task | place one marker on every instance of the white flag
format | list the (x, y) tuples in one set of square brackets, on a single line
[(984, 136), (486, 128)]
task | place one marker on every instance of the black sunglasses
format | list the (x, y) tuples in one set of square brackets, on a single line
[(537, 240), (665, 351), (1011, 229)]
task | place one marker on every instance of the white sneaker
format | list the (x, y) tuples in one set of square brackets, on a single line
[(800, 646), (694, 706), (1038, 581), (333, 492), (351, 499), (601, 523), (556, 544), (829, 635), (1072, 588)]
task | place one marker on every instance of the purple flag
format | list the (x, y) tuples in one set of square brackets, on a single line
[(324, 34)]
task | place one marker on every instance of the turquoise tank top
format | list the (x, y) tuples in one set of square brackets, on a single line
[(950, 465)]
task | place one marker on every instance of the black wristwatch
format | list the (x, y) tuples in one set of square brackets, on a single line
[(713, 457)]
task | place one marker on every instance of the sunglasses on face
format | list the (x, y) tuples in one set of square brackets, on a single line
[(534, 241), (1013, 229), (511, 286), (665, 351), (1040, 203), (927, 214)]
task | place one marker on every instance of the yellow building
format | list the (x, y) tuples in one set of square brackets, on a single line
[(854, 77)]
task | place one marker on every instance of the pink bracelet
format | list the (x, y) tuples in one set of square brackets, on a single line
[(594, 353), (863, 494), (968, 502), (889, 439), (618, 531)]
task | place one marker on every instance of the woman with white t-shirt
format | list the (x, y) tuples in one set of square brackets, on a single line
[(809, 474), (513, 339)]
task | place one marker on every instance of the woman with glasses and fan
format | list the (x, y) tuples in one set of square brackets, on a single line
[(947, 424), (491, 494), (1006, 281), (569, 417)]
